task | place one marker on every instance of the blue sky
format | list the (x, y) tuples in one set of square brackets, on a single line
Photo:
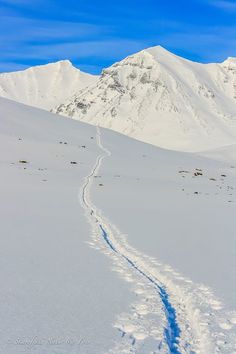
[(94, 33)]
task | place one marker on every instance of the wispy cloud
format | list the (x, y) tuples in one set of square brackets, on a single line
[(36, 30), (214, 42), (225, 5), (32, 34), (11, 66), (17, 2), (26, 40), (107, 49)]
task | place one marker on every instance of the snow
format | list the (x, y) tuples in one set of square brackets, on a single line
[(153, 96), (44, 86), (188, 238), (226, 154), (230, 62), (55, 287), (153, 195), (112, 245), (162, 99)]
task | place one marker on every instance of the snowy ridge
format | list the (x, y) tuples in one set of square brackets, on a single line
[(171, 314), (162, 99), (44, 86)]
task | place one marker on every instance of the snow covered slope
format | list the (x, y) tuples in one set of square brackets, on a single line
[(160, 98), (174, 221), (110, 245), (58, 294), (44, 86)]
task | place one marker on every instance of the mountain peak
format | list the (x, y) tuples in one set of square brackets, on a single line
[(161, 54), (162, 99), (44, 86), (60, 63), (158, 49), (230, 61), (65, 62)]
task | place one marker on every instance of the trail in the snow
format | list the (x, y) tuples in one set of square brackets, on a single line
[(172, 333), (189, 316)]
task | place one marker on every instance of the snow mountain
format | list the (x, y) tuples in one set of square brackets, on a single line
[(162, 99), (44, 86), (153, 96)]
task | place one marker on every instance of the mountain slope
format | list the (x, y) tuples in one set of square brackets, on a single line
[(160, 98), (106, 242), (50, 274), (44, 86)]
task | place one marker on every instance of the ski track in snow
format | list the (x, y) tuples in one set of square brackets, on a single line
[(171, 314)]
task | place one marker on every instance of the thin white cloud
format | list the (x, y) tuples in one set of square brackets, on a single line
[(31, 40), (8, 66), (210, 44), (33, 30), (112, 49), (17, 2), (225, 5)]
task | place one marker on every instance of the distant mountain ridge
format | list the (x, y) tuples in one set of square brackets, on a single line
[(153, 96), (44, 86)]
